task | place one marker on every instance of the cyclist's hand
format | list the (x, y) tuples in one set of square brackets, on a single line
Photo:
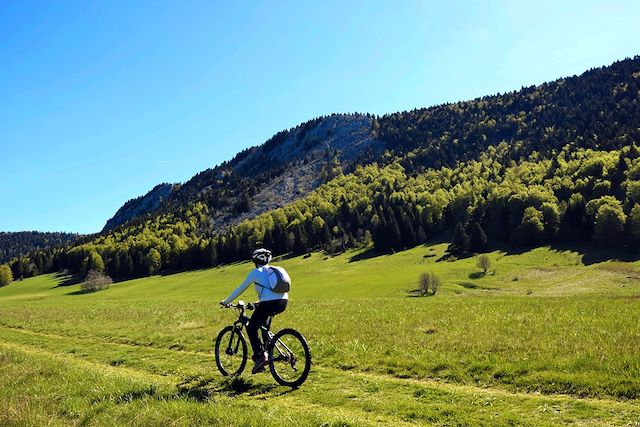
[(224, 304)]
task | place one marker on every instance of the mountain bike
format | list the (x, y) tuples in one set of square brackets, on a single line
[(289, 357)]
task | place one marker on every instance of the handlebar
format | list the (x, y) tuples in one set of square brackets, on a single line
[(240, 305)]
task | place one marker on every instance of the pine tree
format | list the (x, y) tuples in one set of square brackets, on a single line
[(211, 253), (393, 231), (345, 212), (460, 242), (301, 240), (633, 228), (380, 235), (478, 238), (126, 264)]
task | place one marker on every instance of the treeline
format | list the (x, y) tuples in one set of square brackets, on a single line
[(13, 245), (599, 110), (576, 195)]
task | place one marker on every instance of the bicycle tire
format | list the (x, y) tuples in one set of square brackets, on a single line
[(233, 352), (288, 338)]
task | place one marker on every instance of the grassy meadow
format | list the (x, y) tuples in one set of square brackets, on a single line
[(546, 337)]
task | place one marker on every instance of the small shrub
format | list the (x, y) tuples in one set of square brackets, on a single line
[(428, 284), (96, 281), (435, 284), (468, 285), (6, 275), (483, 263)]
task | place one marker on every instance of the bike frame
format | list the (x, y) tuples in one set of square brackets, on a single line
[(243, 321)]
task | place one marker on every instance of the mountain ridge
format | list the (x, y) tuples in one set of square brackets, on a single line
[(438, 135), (285, 167)]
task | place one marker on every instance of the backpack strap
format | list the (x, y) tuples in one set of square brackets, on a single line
[(266, 287)]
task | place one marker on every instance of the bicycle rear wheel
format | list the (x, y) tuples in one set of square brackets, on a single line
[(289, 358), (231, 351)]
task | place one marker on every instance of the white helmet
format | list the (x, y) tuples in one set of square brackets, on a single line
[(261, 256)]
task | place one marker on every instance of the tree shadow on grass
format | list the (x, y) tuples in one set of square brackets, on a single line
[(593, 253), (80, 292), (448, 256), (477, 275), (367, 254), (373, 253), (174, 271), (66, 280), (590, 252)]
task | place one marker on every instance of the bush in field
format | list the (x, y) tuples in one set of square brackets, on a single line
[(96, 281), (6, 275), (484, 263), (428, 284)]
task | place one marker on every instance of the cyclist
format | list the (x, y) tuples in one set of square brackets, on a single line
[(269, 304)]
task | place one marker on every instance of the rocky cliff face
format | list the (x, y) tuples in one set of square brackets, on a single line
[(309, 156), (140, 205)]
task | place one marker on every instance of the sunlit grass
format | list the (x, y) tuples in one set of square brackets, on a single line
[(539, 321)]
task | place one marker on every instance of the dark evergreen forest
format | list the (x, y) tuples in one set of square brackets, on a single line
[(14, 245)]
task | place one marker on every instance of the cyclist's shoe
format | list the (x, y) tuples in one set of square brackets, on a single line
[(260, 363), (259, 367)]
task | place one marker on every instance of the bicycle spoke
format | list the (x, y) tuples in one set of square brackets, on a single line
[(231, 352), (290, 359)]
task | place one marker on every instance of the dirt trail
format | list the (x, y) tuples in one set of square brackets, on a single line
[(324, 371)]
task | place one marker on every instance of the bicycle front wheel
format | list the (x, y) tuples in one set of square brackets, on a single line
[(289, 358), (231, 351)]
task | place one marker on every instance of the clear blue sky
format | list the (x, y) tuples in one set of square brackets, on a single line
[(102, 100)]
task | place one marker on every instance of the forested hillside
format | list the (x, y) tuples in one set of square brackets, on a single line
[(14, 245), (597, 110), (557, 162)]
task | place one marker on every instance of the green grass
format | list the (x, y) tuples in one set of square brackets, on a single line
[(540, 340)]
